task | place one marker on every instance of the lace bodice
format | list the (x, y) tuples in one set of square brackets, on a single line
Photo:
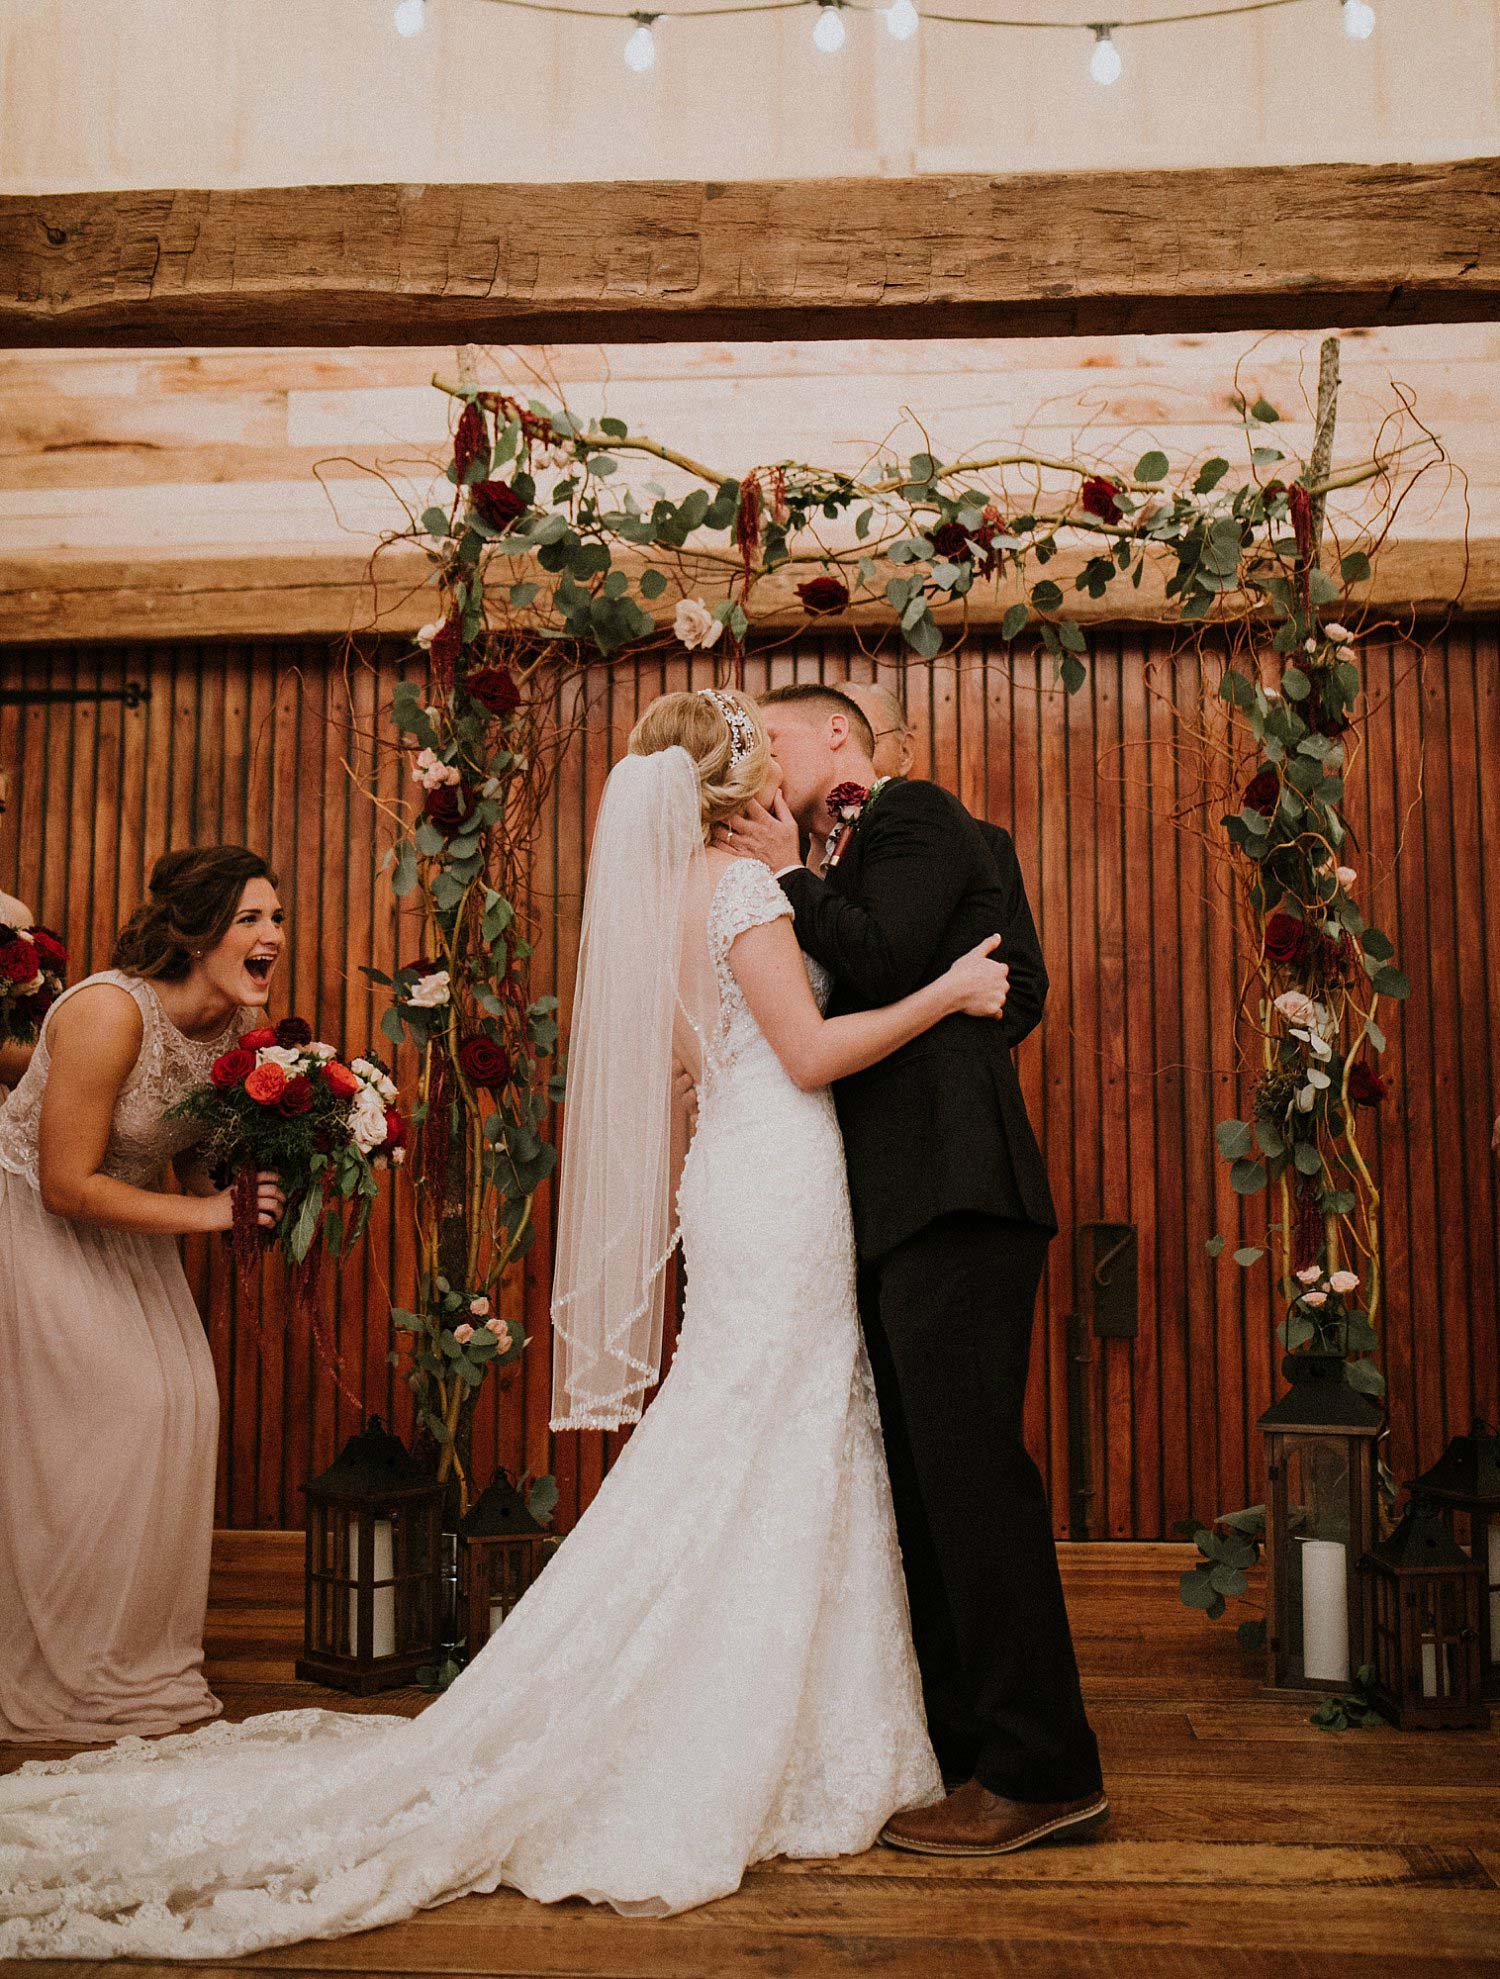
[(746, 897), (141, 1140)]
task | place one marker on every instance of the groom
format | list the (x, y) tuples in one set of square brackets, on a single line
[(952, 1216)]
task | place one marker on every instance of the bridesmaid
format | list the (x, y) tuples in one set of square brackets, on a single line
[(108, 1405), (14, 1058)]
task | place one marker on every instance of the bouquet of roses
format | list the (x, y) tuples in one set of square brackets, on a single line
[(33, 962), (282, 1103)]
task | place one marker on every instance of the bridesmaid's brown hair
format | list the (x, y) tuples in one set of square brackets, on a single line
[(195, 894)]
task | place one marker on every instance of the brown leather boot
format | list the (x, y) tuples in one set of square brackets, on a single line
[(974, 1821)]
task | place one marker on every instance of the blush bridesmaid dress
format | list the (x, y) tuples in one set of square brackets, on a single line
[(108, 1425)]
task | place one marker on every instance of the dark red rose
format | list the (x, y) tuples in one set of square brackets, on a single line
[(297, 1096), (1286, 938), (470, 438), (1100, 498), (423, 965), (824, 594), (847, 797), (450, 806), (951, 540), (259, 1038), (395, 1130), (19, 961), (1321, 719), (483, 1062), (51, 948), (1367, 1087), (293, 1031), (1263, 792), (233, 1069), (494, 688), (498, 503)]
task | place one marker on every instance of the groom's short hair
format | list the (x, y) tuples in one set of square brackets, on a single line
[(813, 694)]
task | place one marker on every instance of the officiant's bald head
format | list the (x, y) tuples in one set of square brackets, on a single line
[(895, 744)]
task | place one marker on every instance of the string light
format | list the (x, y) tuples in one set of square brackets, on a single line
[(829, 32), (901, 20), (410, 17), (640, 49), (1359, 20), (1104, 63)]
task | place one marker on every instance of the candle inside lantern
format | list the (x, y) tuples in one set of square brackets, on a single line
[(384, 1639), (1494, 1583), (1325, 1610), (497, 1615), (1429, 1669)]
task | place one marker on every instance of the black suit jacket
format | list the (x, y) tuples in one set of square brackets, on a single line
[(940, 1125)]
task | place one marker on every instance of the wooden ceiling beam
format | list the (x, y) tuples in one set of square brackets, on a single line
[(1085, 253)]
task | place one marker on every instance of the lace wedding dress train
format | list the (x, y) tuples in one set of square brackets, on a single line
[(715, 1667)]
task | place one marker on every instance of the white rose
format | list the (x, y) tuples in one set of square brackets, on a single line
[(427, 633), (288, 1057), (1309, 1274), (1297, 1008), (695, 624), (319, 1051), (1344, 1282), (430, 992), (1346, 876), (1314, 1298), (367, 1120), (1339, 635)]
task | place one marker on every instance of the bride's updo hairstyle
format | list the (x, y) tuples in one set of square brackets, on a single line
[(194, 895), (699, 724)]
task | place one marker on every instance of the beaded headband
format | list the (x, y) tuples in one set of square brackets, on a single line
[(741, 728)]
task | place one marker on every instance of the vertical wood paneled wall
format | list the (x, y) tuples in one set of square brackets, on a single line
[(1132, 1066)]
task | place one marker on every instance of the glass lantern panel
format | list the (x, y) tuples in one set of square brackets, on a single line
[(1318, 1566)]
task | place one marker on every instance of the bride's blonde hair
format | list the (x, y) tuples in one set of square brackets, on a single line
[(695, 723)]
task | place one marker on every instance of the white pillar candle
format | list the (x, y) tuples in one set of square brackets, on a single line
[(1429, 1669), (1494, 1580), (385, 1597), (497, 1615), (1325, 1610)]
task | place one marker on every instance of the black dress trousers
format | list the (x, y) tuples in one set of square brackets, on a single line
[(948, 1317)]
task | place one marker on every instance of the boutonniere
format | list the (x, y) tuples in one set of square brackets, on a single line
[(848, 802)]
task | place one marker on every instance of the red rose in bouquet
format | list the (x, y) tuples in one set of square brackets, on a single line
[(266, 1084), (498, 503), (258, 1039), (483, 1062), (1101, 498), (294, 1032), (341, 1079), (395, 1130), (824, 594), (296, 1096), (19, 960), (233, 1069), (50, 948), (495, 689)]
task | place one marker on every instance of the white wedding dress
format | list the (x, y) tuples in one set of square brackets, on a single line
[(716, 1666)]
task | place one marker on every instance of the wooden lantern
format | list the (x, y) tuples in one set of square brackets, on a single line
[(1423, 1593), (504, 1549), (1465, 1484), (1320, 1522), (371, 1592)]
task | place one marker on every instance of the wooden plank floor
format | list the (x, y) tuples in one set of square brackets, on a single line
[(1243, 1840)]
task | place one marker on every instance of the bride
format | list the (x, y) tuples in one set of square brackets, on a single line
[(716, 1667)]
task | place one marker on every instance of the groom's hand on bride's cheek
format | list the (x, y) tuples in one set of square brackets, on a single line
[(756, 833)]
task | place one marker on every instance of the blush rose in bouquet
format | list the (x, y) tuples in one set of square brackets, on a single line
[(33, 970), (282, 1103)]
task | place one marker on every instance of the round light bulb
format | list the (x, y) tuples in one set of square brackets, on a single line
[(410, 17), (829, 32), (1359, 20), (902, 20), (1104, 63), (640, 50)]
